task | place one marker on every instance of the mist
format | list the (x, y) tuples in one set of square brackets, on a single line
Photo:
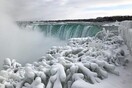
[(23, 45)]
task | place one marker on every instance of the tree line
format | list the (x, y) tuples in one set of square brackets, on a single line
[(98, 19)]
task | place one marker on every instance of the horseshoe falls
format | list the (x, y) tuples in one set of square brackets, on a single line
[(64, 31), (28, 41)]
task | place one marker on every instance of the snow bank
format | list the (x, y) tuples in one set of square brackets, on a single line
[(84, 60), (125, 29)]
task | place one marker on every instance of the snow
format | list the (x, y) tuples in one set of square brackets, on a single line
[(125, 30), (102, 61), (112, 24), (113, 81)]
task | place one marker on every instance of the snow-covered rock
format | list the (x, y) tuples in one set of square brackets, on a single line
[(82, 60)]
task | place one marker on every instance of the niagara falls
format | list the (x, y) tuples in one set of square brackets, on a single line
[(65, 44)]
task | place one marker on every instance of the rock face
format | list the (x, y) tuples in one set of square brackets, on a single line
[(83, 60)]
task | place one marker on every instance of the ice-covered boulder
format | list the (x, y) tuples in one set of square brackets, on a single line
[(83, 60)]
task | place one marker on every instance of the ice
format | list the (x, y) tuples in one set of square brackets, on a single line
[(82, 63), (125, 30)]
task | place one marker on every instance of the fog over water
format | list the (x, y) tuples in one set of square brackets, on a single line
[(22, 45)]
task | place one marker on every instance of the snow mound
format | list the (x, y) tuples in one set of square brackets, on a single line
[(83, 60)]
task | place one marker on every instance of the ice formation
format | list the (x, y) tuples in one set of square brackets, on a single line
[(125, 30), (83, 60)]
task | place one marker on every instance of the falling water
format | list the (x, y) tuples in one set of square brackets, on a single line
[(66, 30)]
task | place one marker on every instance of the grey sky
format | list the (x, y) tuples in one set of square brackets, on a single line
[(69, 9)]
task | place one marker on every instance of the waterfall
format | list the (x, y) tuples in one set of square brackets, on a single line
[(64, 31)]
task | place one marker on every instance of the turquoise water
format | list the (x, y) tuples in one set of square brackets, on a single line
[(64, 31)]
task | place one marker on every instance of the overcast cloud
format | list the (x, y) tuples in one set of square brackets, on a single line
[(69, 9)]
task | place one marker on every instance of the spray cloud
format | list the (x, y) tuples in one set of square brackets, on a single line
[(24, 46)]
